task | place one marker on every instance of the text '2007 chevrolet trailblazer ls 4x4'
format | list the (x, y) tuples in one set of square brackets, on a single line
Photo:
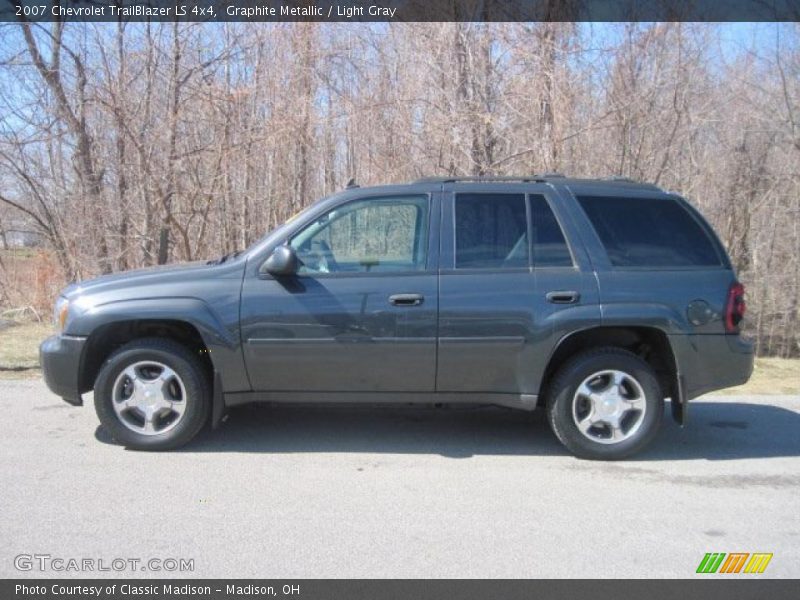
[(592, 299)]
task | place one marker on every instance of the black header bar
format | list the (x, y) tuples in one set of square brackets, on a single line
[(400, 10)]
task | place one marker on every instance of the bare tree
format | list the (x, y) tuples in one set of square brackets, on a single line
[(129, 144)]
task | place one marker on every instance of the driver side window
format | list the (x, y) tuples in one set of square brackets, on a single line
[(375, 235)]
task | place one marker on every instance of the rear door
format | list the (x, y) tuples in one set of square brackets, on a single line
[(513, 278)]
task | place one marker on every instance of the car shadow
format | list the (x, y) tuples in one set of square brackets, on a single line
[(716, 431)]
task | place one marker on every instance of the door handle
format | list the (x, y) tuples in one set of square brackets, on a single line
[(406, 299), (563, 297)]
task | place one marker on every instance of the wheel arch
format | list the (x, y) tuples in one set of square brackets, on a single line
[(193, 327), (106, 338), (652, 344)]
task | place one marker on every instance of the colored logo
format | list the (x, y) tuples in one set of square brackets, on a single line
[(735, 562)]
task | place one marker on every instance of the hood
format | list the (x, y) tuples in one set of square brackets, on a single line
[(150, 276)]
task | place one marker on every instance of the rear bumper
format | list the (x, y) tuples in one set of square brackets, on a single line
[(60, 357), (712, 362)]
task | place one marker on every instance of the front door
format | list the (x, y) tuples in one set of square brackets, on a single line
[(360, 315)]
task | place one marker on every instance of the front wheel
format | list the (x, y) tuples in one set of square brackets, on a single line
[(152, 394), (605, 404)]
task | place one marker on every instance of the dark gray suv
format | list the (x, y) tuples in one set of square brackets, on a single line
[(593, 299)]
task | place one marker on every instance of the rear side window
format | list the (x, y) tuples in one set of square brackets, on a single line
[(491, 231), (646, 232), (549, 246)]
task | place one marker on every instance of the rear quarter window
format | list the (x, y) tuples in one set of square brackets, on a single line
[(649, 232), (549, 246)]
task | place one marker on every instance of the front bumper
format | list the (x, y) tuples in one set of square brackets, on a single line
[(60, 357)]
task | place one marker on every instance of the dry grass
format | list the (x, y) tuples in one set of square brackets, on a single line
[(19, 358), (19, 348), (771, 376)]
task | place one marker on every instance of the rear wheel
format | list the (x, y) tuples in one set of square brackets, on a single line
[(152, 394), (605, 404)]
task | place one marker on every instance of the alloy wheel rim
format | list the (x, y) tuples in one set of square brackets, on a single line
[(609, 406), (149, 398)]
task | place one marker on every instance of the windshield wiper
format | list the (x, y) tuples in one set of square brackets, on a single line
[(224, 257)]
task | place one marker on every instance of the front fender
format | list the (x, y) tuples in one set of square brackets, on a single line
[(221, 336), (189, 310)]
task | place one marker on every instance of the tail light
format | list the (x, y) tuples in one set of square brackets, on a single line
[(735, 307)]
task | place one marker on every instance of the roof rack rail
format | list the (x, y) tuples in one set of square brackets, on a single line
[(612, 180), (624, 179), (492, 178)]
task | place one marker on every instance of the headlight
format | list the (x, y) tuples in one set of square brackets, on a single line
[(60, 312)]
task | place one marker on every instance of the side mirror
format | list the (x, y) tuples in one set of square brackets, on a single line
[(281, 263)]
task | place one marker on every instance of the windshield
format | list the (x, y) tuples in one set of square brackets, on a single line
[(298, 215)]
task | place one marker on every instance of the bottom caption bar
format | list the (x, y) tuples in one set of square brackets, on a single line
[(356, 589)]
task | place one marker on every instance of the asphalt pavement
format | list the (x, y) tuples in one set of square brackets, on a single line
[(317, 492)]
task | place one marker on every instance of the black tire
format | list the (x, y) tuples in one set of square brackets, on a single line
[(189, 369), (562, 393)]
